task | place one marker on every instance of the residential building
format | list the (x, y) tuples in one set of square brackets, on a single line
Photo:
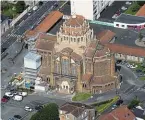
[(121, 52), (90, 9), (139, 112), (5, 23), (75, 61), (120, 113), (76, 111), (32, 62), (126, 21)]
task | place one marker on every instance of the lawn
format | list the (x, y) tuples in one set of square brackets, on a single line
[(102, 107), (133, 8), (81, 96), (142, 78)]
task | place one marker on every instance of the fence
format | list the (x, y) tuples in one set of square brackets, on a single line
[(20, 16), (102, 23)]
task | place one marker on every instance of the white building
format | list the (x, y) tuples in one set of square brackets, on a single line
[(32, 63), (90, 9)]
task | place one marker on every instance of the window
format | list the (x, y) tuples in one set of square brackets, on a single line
[(122, 25), (117, 25), (65, 66)]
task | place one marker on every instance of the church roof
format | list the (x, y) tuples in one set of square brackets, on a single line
[(75, 22)]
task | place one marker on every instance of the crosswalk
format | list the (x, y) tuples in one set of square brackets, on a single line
[(15, 35)]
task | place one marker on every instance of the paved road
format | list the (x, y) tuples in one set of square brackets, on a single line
[(111, 10), (27, 24)]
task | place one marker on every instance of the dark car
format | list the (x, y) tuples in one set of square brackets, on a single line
[(138, 71), (119, 102), (38, 107), (6, 97), (17, 116)]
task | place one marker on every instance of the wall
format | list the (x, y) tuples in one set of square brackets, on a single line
[(86, 8)]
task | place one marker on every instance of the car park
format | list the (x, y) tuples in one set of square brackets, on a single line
[(17, 116), (9, 94), (28, 108)]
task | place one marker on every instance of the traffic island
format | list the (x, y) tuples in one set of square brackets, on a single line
[(81, 96), (102, 106)]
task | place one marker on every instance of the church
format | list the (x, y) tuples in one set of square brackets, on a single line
[(74, 60)]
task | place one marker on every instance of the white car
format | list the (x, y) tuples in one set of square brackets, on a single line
[(128, 3), (18, 98), (23, 94), (35, 8), (28, 108), (9, 94), (115, 16), (123, 8)]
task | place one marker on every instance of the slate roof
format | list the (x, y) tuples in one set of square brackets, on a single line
[(130, 19)]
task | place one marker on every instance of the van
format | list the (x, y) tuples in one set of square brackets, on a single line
[(18, 98)]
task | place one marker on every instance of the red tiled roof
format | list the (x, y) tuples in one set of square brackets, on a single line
[(123, 49), (46, 24), (45, 42), (105, 36), (78, 21), (120, 113), (141, 11), (49, 21)]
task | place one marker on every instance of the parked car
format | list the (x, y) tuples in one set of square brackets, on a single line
[(35, 8), (38, 107), (17, 116), (23, 94), (114, 106), (128, 3), (6, 97), (4, 100), (18, 98), (28, 108), (123, 8), (9, 94), (119, 102)]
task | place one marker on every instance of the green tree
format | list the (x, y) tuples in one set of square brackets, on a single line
[(49, 112), (141, 3), (40, 3), (20, 6), (133, 103), (140, 36)]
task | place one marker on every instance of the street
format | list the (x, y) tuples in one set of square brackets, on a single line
[(31, 21)]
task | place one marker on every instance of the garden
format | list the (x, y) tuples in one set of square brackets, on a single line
[(12, 10), (81, 96), (102, 106), (136, 5)]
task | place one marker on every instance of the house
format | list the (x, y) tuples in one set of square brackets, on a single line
[(76, 111), (139, 112), (120, 113)]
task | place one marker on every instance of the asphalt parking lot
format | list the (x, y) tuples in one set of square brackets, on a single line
[(111, 10)]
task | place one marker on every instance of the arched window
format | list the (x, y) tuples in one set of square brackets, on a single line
[(65, 66)]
